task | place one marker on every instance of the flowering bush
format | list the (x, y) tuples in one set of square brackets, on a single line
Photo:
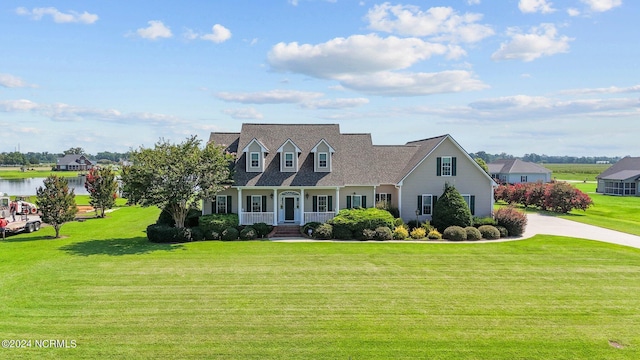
[(513, 220), (557, 196)]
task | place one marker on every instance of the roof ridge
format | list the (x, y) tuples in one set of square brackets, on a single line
[(431, 138)]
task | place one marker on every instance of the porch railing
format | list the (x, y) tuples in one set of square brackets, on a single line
[(250, 218), (318, 216)]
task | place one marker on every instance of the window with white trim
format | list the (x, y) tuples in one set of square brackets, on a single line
[(446, 166), (255, 159), (356, 201), (256, 203), (323, 203), (322, 160), (288, 159), (221, 204), (427, 204)]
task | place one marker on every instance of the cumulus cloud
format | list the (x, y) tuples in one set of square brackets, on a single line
[(10, 81), (534, 6), (218, 34), (244, 114), (269, 97), (155, 30), (440, 23), (573, 12), (541, 41), (343, 103), (58, 16), (602, 5)]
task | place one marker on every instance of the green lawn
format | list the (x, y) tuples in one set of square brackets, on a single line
[(119, 296), (36, 172), (576, 172)]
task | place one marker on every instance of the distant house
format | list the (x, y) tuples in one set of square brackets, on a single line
[(299, 173), (622, 178), (74, 163), (515, 171)]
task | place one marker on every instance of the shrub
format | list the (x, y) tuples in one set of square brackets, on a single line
[(323, 232), (197, 234), (163, 233), (383, 233), (229, 234), (356, 220), (342, 233), (310, 226), (473, 233), (562, 197), (192, 219), (400, 233), (503, 231), (478, 221), (218, 222), (262, 229), (434, 235), (248, 233), (426, 226), (368, 234), (412, 224), (451, 210), (418, 233), (398, 222), (211, 235), (489, 232), (455, 233), (513, 220)]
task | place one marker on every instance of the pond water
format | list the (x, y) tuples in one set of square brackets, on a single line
[(28, 187)]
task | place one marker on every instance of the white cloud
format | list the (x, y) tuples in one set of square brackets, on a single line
[(343, 103), (357, 54), (573, 12), (414, 84), (269, 97), (534, 6), (473, 2), (607, 90), (441, 23), (10, 81), (155, 30), (219, 34), (541, 41), (17, 105), (244, 114), (58, 16), (602, 5)]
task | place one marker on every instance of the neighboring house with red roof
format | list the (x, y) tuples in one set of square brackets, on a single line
[(622, 178), (299, 173), (73, 162), (516, 171)]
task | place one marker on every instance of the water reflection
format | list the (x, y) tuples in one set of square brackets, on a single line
[(29, 186)]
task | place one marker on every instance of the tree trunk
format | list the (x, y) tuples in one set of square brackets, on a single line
[(57, 228)]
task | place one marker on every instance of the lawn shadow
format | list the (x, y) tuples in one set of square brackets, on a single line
[(118, 247)]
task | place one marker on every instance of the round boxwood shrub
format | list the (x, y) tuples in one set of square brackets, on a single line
[(489, 232), (434, 235), (368, 234), (383, 233), (400, 233), (455, 233), (210, 234), (197, 234), (261, 229), (503, 231), (515, 221), (248, 233), (323, 232), (473, 233), (230, 234), (310, 226)]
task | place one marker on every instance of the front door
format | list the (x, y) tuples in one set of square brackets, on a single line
[(289, 209)]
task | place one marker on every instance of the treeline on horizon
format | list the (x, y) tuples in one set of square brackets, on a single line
[(37, 158)]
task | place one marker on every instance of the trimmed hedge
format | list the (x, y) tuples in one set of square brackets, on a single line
[(192, 219), (163, 233), (383, 233), (355, 221), (473, 233), (489, 232), (217, 223), (455, 233), (248, 233), (230, 234), (261, 229)]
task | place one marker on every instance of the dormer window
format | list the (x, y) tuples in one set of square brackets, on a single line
[(289, 153), (322, 160), (288, 160), (255, 160), (322, 156), (255, 153)]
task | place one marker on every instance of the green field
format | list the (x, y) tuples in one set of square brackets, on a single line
[(118, 296), (33, 172), (576, 172)]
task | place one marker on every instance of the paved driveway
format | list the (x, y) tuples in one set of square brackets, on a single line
[(550, 225)]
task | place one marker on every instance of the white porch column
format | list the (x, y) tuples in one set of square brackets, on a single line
[(275, 207), (337, 207), (301, 207), (399, 199), (240, 202)]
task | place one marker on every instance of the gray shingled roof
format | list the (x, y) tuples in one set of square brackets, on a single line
[(516, 166), (627, 168), (356, 160), (73, 159)]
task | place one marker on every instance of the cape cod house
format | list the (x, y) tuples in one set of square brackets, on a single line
[(516, 171), (72, 162), (298, 173), (622, 178)]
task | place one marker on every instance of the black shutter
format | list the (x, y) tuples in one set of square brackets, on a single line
[(439, 166), (315, 204), (348, 201), (214, 208), (377, 198), (248, 209), (388, 199), (472, 204), (420, 203), (364, 202), (433, 202), (264, 203), (453, 166), (229, 207), (330, 203)]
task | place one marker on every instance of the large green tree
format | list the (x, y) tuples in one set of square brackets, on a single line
[(176, 177), (102, 186), (451, 209), (56, 202)]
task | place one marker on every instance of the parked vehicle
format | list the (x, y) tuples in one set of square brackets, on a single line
[(26, 217)]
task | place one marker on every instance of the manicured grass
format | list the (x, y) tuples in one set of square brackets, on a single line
[(576, 172), (119, 296), (37, 172)]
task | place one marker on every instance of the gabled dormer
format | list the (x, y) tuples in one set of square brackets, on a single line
[(255, 153), (289, 153), (322, 156)]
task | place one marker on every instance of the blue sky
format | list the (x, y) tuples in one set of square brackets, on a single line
[(514, 76)]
